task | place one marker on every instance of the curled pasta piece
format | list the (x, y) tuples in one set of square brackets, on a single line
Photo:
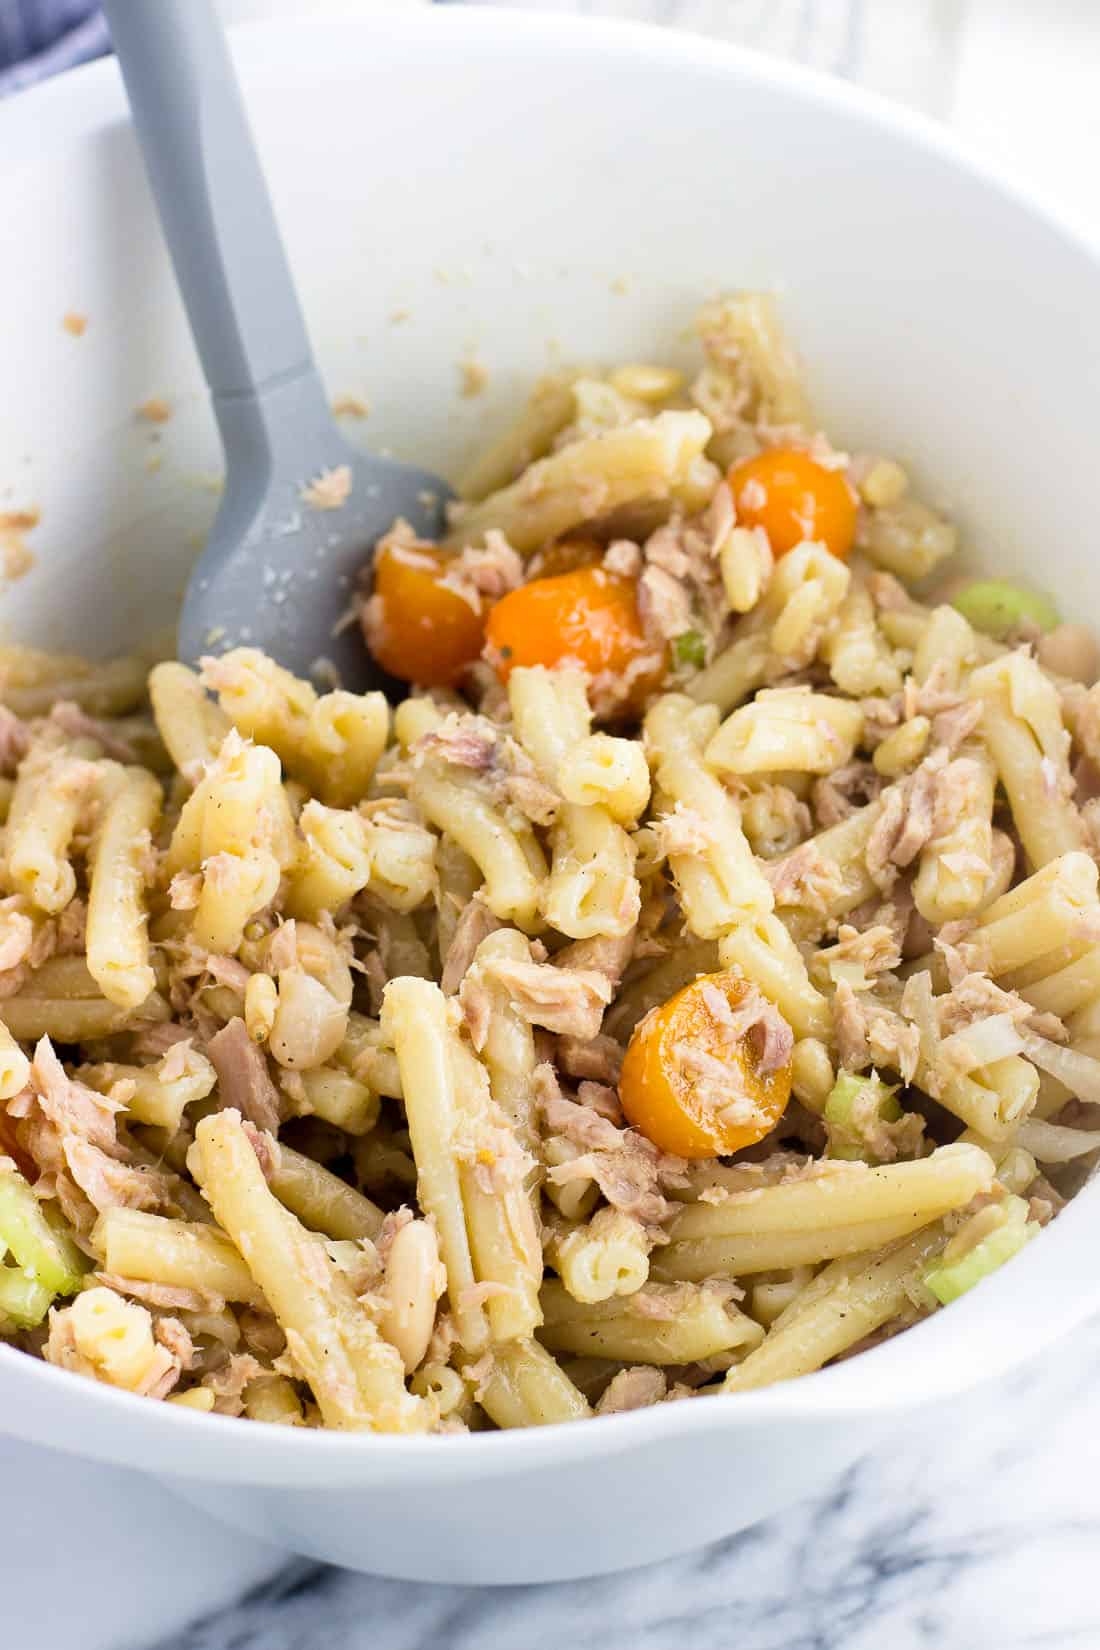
[(806, 590), (1023, 731), (234, 888), (343, 741), (191, 725), (524, 1386), (860, 659), (787, 729), (947, 647), (334, 861), (734, 674), (606, 771), (111, 1339), (1040, 914), (606, 1256), (925, 1188), (660, 1324), (156, 1094), (508, 856), (53, 790), (766, 954), (592, 889), (356, 1376), (472, 1169), (746, 345), (550, 407), (269, 1398), (849, 1299), (652, 459), (746, 561), (263, 701), (716, 873), (509, 1046), (178, 1253), (955, 866), (118, 865)]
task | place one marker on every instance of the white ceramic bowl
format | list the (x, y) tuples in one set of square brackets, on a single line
[(515, 185)]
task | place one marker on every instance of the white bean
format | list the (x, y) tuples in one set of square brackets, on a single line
[(414, 1282), (1070, 650), (309, 1023)]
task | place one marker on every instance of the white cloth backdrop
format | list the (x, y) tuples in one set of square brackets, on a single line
[(1018, 78)]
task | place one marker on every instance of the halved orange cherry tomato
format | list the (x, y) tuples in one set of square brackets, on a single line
[(670, 1099), (416, 628), (792, 497), (565, 556), (587, 615)]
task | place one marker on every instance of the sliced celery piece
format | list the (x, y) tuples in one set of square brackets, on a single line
[(48, 1254), (24, 1301), (952, 1275), (852, 1099), (997, 606)]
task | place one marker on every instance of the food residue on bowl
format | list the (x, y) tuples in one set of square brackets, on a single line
[(350, 406), (75, 323), (156, 410), (474, 376), (16, 556), (328, 491)]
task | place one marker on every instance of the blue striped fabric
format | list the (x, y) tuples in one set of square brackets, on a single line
[(42, 37)]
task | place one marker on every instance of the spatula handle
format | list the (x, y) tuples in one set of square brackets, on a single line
[(212, 198)]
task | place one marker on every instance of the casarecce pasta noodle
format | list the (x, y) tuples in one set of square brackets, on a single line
[(692, 981)]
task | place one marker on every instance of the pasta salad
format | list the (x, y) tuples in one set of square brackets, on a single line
[(690, 983)]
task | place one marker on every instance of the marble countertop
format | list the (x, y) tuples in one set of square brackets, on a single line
[(981, 1522)]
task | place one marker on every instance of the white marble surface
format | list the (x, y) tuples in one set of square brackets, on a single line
[(980, 1525)]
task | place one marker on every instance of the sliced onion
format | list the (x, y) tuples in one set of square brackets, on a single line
[(981, 1043), (918, 1005), (1054, 1143), (1079, 1072)]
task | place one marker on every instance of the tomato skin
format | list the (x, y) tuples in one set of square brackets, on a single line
[(416, 628), (586, 615), (565, 556), (794, 498), (659, 1098)]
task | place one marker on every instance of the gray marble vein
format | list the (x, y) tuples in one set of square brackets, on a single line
[(979, 1524)]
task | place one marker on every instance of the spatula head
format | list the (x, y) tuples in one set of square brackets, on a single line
[(290, 546)]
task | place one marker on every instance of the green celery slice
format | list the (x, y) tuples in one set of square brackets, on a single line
[(948, 1279), (38, 1247), (848, 1090), (997, 606), (24, 1301)]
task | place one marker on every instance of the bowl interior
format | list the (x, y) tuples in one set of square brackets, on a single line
[(937, 319)]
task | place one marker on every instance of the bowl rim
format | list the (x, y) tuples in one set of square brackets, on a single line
[(919, 1366)]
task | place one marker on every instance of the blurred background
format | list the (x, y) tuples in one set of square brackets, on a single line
[(1016, 77)]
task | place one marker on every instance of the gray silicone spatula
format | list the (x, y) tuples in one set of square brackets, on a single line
[(277, 572)]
